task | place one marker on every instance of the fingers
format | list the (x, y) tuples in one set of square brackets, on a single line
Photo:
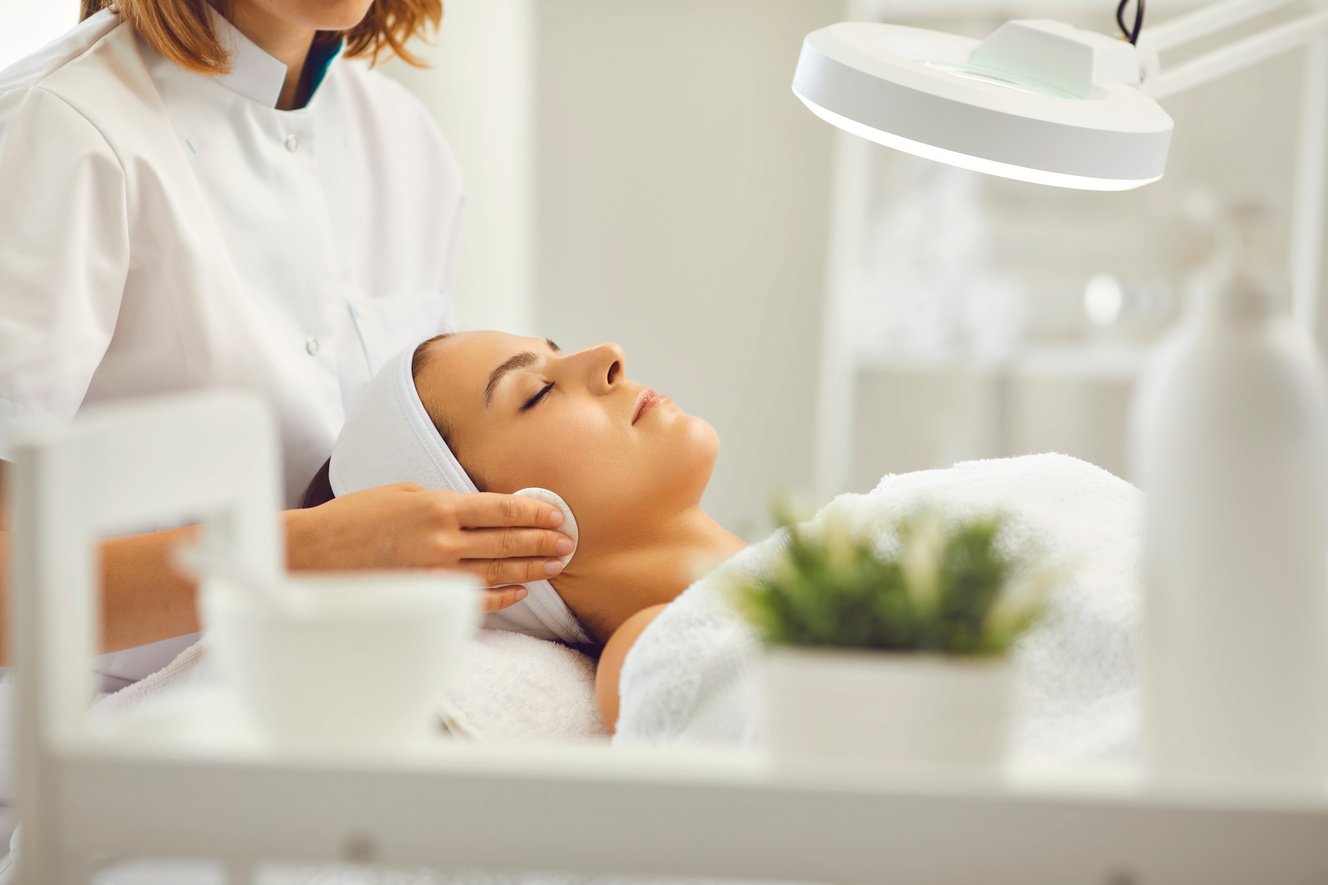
[(497, 572), (504, 543), (499, 598), (488, 510)]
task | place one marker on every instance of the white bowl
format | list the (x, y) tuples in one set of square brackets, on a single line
[(363, 658)]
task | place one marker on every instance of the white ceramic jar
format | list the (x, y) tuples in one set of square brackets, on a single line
[(363, 658)]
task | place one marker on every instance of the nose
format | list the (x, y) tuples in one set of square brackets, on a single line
[(605, 368)]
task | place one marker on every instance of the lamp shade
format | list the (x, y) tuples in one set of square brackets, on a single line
[(1037, 101)]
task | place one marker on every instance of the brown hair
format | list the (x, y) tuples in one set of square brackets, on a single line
[(181, 31)]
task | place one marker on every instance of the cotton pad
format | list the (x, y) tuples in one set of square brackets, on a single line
[(568, 527)]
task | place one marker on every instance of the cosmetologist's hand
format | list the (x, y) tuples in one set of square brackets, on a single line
[(504, 540)]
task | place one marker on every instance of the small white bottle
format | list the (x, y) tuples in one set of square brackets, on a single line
[(1230, 441)]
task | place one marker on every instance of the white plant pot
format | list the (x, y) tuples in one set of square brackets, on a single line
[(887, 710)]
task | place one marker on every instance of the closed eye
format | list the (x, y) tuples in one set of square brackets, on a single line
[(537, 398)]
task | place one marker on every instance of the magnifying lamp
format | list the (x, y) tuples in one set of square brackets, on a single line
[(1038, 100)]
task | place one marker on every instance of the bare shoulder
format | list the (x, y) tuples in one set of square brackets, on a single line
[(611, 661)]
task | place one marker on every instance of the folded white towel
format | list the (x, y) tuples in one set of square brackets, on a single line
[(186, 672), (692, 675), (517, 687)]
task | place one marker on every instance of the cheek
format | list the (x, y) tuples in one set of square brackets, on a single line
[(630, 475), (569, 450)]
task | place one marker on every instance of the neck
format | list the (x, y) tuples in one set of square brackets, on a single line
[(283, 41), (610, 580)]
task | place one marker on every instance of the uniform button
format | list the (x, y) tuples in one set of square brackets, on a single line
[(311, 346), (292, 142)]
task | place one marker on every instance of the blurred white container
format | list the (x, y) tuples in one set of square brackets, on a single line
[(363, 657), (1231, 447), (887, 710)]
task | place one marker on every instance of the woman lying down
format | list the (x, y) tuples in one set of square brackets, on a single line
[(488, 411)]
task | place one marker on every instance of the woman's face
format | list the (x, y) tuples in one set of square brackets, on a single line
[(519, 412)]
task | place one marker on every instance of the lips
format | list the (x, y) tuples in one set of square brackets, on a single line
[(644, 400)]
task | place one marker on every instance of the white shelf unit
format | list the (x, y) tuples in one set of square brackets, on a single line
[(667, 812)]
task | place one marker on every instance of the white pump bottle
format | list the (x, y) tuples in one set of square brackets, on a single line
[(1230, 441)]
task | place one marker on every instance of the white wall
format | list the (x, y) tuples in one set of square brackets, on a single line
[(479, 86), (682, 212)]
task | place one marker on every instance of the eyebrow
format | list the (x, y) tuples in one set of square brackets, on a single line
[(511, 364)]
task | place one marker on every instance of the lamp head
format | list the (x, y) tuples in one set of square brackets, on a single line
[(1037, 101)]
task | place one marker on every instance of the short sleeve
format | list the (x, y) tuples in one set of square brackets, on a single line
[(64, 258)]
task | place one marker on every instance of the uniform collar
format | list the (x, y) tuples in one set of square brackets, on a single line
[(259, 76)]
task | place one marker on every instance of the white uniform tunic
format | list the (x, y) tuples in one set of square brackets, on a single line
[(162, 230)]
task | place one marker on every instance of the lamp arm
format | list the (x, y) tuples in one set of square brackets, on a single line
[(1310, 201), (1232, 57), (1211, 19)]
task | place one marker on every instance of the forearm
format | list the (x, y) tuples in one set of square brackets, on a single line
[(143, 598), (146, 599)]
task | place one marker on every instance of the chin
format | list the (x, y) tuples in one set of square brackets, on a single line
[(346, 22), (694, 456), (704, 436), (337, 16)]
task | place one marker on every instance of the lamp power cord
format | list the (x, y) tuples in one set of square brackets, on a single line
[(1131, 34)]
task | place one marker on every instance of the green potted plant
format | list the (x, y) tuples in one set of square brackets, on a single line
[(894, 652)]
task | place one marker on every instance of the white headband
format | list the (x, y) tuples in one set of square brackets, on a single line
[(389, 438)]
